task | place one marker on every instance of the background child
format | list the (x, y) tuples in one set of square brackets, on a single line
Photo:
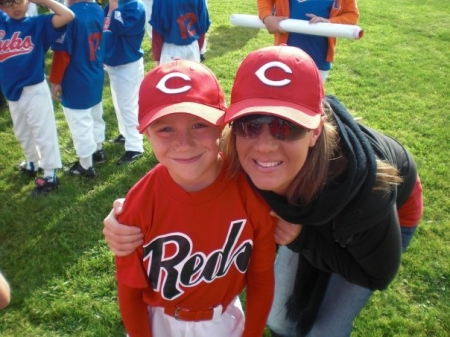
[(77, 71), (123, 34), (206, 236), (179, 29), (23, 83)]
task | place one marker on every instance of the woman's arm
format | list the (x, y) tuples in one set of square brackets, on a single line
[(121, 239), (370, 259)]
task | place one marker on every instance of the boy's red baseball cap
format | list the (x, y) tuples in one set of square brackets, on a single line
[(278, 80), (180, 86)]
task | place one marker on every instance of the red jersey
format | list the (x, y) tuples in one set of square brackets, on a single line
[(200, 248)]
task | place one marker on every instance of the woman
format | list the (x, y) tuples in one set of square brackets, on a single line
[(352, 196)]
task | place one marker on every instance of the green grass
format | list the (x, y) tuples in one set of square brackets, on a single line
[(52, 249)]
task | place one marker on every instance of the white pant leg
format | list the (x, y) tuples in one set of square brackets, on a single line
[(35, 126), (228, 324), (148, 14), (125, 81), (81, 125), (324, 75), (171, 51), (99, 123)]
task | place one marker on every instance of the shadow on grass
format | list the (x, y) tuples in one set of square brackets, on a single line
[(223, 39)]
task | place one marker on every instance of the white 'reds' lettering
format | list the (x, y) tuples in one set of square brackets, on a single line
[(261, 74), (163, 87)]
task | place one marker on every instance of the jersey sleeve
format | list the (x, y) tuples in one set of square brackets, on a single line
[(260, 275)]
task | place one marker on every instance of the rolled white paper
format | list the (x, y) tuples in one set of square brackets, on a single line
[(302, 26)]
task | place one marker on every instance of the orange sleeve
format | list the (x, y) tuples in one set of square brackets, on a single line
[(61, 60), (134, 311)]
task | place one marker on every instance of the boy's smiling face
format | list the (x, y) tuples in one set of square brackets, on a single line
[(188, 147), (15, 9)]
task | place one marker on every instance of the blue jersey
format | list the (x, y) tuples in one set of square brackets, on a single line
[(84, 75), (314, 46), (180, 22), (124, 32), (23, 44)]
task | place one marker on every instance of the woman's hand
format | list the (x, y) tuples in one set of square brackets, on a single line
[(285, 232), (121, 239)]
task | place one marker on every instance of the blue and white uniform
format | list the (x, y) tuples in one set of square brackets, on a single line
[(181, 23), (314, 46), (23, 44), (82, 84), (123, 34)]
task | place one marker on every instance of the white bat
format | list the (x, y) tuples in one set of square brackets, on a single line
[(302, 26)]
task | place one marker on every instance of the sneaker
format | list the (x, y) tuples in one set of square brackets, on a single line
[(78, 170), (44, 186), (26, 171), (119, 139), (202, 58), (99, 157), (129, 157)]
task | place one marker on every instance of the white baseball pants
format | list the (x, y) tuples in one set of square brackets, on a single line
[(35, 126), (171, 51), (125, 81), (227, 324), (87, 127)]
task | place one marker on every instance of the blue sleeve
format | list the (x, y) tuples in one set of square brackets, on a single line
[(126, 19)]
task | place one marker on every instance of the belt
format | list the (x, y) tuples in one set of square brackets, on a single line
[(190, 316)]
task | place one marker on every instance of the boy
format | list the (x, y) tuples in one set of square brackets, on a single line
[(123, 34), (206, 236), (77, 72), (25, 40), (179, 29)]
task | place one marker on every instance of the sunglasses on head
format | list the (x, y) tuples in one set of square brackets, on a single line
[(252, 125)]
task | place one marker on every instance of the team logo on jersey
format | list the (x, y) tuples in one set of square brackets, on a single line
[(14, 46), (261, 74), (162, 84), (170, 272)]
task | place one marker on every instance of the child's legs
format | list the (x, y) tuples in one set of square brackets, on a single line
[(40, 117), (22, 131), (125, 82), (171, 51), (285, 271), (81, 125), (228, 324), (99, 123)]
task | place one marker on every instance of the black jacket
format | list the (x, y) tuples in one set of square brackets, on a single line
[(350, 229)]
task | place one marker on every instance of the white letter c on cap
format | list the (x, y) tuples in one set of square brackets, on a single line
[(162, 83), (261, 73)]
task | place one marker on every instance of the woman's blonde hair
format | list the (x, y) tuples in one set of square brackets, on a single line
[(325, 161)]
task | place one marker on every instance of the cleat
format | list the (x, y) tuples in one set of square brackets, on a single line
[(26, 171), (78, 170), (129, 157), (99, 157), (44, 186)]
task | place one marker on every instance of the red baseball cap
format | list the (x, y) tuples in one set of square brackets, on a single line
[(278, 80), (180, 86)]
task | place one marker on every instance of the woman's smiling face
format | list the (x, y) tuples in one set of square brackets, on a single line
[(273, 164)]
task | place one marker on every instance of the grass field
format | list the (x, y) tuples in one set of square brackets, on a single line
[(396, 78)]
